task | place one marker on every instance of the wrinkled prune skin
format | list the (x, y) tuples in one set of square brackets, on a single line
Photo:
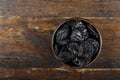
[(94, 43), (61, 36), (92, 32), (79, 32), (76, 42), (75, 49), (66, 56), (79, 62)]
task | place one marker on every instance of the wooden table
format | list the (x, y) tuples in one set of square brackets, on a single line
[(26, 29)]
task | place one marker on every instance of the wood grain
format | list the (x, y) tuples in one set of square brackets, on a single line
[(60, 74), (26, 29)]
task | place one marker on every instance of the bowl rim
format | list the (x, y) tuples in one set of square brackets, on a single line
[(88, 21)]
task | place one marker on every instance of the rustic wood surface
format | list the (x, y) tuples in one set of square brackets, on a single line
[(26, 29)]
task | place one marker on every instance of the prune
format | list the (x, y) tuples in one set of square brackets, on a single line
[(76, 36), (87, 60), (88, 48), (75, 48), (79, 62), (80, 51), (76, 42), (95, 44), (79, 32), (61, 36), (66, 56), (72, 23), (80, 26), (57, 48), (92, 31)]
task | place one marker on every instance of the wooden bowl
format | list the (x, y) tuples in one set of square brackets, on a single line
[(85, 20)]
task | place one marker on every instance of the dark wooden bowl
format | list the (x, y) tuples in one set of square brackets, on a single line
[(86, 20)]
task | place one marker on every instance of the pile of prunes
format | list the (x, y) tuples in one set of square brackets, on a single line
[(76, 43)]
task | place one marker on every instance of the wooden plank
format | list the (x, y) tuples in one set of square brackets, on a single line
[(62, 8), (18, 38), (61, 74)]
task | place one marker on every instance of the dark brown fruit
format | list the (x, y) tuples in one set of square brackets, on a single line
[(79, 32), (79, 62), (95, 44), (92, 31), (61, 36), (66, 56), (75, 48)]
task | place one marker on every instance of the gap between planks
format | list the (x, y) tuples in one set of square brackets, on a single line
[(64, 69)]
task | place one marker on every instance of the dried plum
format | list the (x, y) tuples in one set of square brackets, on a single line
[(79, 62), (76, 42), (87, 60), (92, 31), (88, 48), (57, 48), (80, 51), (80, 26), (66, 56), (94, 43), (76, 36), (79, 32), (61, 36), (75, 48)]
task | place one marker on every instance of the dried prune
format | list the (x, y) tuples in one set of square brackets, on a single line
[(79, 32), (61, 36), (75, 49), (66, 56), (76, 42), (88, 48), (57, 48), (80, 26), (80, 51), (94, 43), (76, 36), (92, 31), (87, 60), (79, 62)]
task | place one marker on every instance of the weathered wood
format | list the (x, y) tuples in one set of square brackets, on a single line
[(61, 74), (26, 28)]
